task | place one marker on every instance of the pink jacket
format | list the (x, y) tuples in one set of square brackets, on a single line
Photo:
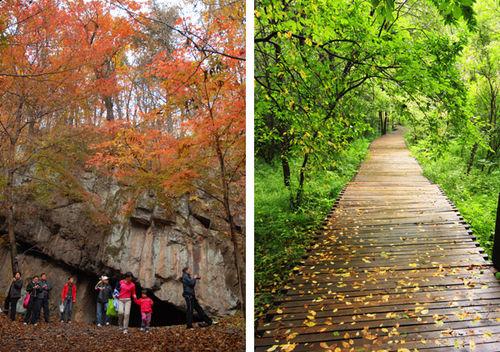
[(127, 290), (146, 304)]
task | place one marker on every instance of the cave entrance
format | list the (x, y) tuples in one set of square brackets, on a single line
[(164, 312)]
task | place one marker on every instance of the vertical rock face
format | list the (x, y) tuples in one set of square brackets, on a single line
[(153, 243), (156, 252), (83, 310)]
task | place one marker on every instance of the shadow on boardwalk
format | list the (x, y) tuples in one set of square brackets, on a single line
[(395, 269)]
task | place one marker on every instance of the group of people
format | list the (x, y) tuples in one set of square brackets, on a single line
[(110, 301), (121, 300), (36, 299)]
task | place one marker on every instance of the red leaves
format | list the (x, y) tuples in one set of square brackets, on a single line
[(205, 107)]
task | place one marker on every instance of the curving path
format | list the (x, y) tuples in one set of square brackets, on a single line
[(394, 268)]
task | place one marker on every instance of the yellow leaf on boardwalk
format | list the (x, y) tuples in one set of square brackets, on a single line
[(288, 347)]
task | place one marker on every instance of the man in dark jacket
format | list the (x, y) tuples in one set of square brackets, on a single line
[(14, 294), (33, 288), (42, 300), (188, 284)]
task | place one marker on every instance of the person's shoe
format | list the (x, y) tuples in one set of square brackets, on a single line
[(107, 324), (36, 324), (141, 329), (62, 321), (25, 323), (99, 325), (125, 331), (69, 321)]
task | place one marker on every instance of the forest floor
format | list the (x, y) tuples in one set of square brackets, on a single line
[(228, 335)]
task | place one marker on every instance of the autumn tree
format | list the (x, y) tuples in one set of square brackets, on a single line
[(203, 84), (48, 61)]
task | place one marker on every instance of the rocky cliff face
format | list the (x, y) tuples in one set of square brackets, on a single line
[(153, 243)]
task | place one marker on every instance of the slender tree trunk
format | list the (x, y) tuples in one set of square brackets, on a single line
[(471, 158), (108, 103), (302, 178), (232, 226), (285, 165), (381, 122), (9, 200)]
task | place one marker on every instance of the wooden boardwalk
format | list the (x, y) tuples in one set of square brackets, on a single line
[(394, 268)]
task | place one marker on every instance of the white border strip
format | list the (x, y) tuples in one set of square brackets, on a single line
[(249, 175)]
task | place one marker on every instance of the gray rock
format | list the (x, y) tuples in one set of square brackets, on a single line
[(152, 242)]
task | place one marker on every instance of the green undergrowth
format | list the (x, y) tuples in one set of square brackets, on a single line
[(475, 195), (281, 234)]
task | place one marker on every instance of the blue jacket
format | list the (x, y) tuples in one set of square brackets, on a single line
[(188, 285)]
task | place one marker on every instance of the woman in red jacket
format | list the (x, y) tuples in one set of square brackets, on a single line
[(68, 298), (146, 305), (126, 291)]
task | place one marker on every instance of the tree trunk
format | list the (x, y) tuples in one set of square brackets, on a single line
[(302, 178), (381, 122), (471, 158), (9, 200), (285, 165), (386, 121), (108, 103), (232, 226)]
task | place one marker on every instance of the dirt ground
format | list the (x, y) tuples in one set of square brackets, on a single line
[(228, 335)]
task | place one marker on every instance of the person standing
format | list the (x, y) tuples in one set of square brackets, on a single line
[(14, 294), (34, 306), (44, 296), (188, 292), (126, 291), (68, 298), (146, 305), (104, 294)]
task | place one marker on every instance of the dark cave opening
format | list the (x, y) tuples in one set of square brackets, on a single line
[(164, 312)]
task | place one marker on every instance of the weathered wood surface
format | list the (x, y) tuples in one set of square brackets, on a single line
[(394, 268)]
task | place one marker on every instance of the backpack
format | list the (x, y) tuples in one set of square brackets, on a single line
[(26, 300)]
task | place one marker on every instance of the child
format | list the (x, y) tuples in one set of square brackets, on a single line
[(146, 305)]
